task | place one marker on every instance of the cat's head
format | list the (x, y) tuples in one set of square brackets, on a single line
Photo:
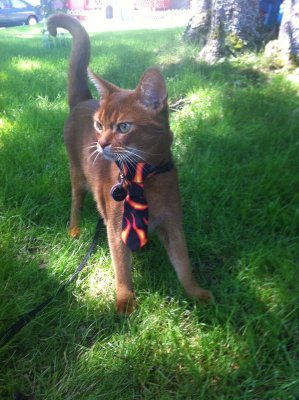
[(133, 125)]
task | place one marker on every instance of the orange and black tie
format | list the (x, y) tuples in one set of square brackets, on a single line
[(135, 206)]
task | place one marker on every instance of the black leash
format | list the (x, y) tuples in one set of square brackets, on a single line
[(7, 335)]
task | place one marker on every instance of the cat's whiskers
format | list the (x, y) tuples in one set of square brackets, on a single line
[(127, 153), (96, 157), (92, 146), (121, 162), (125, 160), (125, 156), (133, 154), (128, 158), (141, 151), (133, 157), (93, 153)]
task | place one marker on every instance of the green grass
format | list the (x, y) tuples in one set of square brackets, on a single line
[(236, 146)]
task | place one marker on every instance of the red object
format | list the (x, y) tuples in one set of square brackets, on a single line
[(76, 4), (153, 4)]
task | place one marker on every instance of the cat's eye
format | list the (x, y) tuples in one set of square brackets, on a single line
[(124, 127), (98, 126)]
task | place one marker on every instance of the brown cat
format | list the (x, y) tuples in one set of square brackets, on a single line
[(123, 142)]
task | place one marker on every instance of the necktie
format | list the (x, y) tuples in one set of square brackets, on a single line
[(135, 207)]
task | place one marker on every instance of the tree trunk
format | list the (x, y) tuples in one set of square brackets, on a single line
[(199, 25), (285, 49), (289, 30), (229, 27)]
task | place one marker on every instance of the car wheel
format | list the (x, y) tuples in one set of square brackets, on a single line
[(31, 20)]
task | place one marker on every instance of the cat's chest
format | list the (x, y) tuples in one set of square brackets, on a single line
[(154, 221), (157, 209)]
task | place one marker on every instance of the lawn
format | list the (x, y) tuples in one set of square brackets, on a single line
[(236, 147)]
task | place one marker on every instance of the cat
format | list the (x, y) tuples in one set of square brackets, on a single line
[(112, 144)]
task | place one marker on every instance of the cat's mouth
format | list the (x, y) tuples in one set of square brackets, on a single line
[(97, 151), (107, 152)]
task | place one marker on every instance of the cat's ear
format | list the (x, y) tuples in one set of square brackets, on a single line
[(151, 91), (103, 87)]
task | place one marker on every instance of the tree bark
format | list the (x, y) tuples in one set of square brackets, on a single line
[(225, 27), (289, 30), (198, 26), (285, 50)]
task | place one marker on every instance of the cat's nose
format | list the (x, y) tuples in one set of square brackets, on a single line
[(104, 143)]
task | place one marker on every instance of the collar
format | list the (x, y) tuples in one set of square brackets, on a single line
[(137, 171)]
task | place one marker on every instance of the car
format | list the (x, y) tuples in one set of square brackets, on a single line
[(18, 12)]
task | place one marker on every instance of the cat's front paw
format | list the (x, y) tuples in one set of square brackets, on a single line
[(74, 232), (202, 296), (125, 304), (205, 296)]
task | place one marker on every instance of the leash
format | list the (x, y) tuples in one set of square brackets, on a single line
[(8, 334)]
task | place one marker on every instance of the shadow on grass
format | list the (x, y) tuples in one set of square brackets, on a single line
[(239, 214)]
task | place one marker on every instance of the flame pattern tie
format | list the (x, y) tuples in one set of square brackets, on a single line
[(135, 207)]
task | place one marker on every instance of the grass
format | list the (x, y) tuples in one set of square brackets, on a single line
[(236, 147)]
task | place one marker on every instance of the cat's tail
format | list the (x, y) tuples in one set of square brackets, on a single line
[(80, 55)]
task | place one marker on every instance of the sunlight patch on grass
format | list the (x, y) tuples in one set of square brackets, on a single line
[(100, 282), (25, 32), (204, 104), (28, 65), (5, 125), (4, 76)]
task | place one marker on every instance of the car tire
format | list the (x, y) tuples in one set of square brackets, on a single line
[(31, 20)]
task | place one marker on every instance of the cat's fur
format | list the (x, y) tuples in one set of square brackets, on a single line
[(92, 151)]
